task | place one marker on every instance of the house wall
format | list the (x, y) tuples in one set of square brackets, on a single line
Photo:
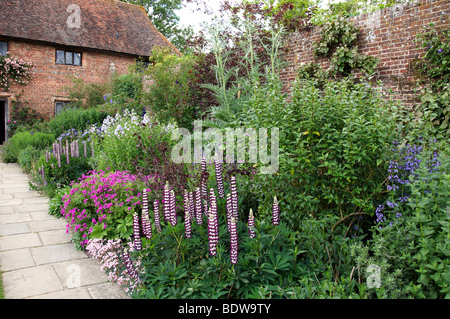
[(50, 80), (388, 34)]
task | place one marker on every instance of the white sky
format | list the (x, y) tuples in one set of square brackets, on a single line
[(188, 17)]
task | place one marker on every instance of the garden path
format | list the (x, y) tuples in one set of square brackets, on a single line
[(37, 258)]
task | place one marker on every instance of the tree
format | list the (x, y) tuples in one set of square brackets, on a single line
[(163, 15)]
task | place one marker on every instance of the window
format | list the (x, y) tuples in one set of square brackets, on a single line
[(3, 48), (59, 106), (68, 57)]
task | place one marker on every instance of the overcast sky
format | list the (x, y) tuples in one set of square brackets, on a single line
[(187, 17)]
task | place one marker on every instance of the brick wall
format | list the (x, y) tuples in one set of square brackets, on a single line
[(50, 79), (388, 34)]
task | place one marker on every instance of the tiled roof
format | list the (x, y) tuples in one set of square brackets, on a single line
[(109, 25)]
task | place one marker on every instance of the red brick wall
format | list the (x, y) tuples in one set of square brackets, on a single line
[(388, 34), (50, 79)]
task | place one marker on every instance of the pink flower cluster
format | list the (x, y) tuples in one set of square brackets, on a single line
[(16, 70), (111, 253), (98, 195)]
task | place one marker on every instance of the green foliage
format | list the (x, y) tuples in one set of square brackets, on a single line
[(433, 69), (338, 42), (28, 156), (85, 95), (170, 96), (180, 267), (22, 140), (22, 117), (76, 119), (332, 148), (127, 86), (412, 244)]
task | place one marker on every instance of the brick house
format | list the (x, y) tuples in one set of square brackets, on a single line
[(86, 39)]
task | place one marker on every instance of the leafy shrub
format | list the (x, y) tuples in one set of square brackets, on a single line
[(28, 157), (140, 145), (22, 140), (77, 119), (85, 95), (411, 242), (127, 86), (332, 148), (171, 95)]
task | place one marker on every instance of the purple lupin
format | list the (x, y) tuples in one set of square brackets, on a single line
[(233, 241), (198, 206), (146, 225), (251, 224), (173, 213), (204, 179), (219, 180), (213, 226), (275, 211), (191, 205), (136, 232), (156, 216), (229, 211), (187, 218), (166, 202), (234, 199), (130, 267)]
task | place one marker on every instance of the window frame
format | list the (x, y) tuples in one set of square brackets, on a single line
[(72, 57), (7, 45), (64, 103)]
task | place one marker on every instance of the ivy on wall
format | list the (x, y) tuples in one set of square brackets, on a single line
[(433, 69), (338, 43)]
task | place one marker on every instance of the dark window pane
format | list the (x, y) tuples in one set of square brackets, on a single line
[(69, 58), (77, 59), (59, 106), (3, 48), (60, 57)]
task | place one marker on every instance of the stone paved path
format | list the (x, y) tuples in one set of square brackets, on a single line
[(37, 257)]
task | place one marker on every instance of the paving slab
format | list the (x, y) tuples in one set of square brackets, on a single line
[(78, 293), (28, 282), (14, 229), (16, 259), (37, 256), (52, 237), (19, 241), (56, 253)]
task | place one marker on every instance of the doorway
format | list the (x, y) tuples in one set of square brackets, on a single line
[(2, 121)]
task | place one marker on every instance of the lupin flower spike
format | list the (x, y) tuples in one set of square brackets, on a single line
[(156, 215), (212, 234), (233, 241), (187, 219), (218, 168), (229, 211), (234, 199), (198, 206), (275, 212), (130, 267), (136, 232), (166, 198), (251, 224), (173, 213), (191, 205), (204, 179)]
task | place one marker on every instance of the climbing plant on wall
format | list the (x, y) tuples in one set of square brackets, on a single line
[(337, 42), (14, 70), (433, 69)]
